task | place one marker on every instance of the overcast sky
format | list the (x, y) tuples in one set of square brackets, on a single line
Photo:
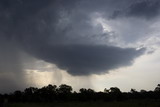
[(83, 43)]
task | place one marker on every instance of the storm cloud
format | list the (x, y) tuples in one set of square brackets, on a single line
[(147, 9), (65, 33), (86, 59)]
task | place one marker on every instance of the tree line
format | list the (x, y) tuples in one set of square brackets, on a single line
[(65, 92)]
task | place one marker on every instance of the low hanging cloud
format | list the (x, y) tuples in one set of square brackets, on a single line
[(88, 59), (61, 32)]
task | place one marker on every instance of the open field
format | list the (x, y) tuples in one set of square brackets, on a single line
[(131, 103)]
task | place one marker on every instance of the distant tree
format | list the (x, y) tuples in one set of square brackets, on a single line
[(143, 91), (30, 91), (114, 90), (106, 90), (133, 90), (115, 93), (135, 94), (50, 89), (86, 91), (52, 93), (157, 89), (83, 90), (87, 94), (64, 92), (157, 92), (47, 92), (66, 89), (91, 91), (18, 96), (18, 93)]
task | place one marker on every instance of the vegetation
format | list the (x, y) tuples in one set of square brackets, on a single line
[(53, 95), (130, 103)]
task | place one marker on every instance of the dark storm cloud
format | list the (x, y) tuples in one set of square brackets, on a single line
[(146, 9), (60, 32), (85, 59)]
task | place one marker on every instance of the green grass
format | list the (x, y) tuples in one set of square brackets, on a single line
[(131, 103)]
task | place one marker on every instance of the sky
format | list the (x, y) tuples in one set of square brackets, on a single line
[(83, 43)]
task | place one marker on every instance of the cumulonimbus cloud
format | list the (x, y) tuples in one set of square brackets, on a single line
[(45, 29)]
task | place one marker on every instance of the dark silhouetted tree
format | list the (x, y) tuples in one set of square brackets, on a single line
[(18, 96), (115, 93), (114, 90), (86, 91), (52, 93), (133, 90), (29, 93), (157, 89), (87, 94), (143, 91), (106, 90), (47, 93), (64, 92), (66, 89)]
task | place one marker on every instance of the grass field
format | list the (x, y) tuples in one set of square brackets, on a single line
[(131, 103)]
